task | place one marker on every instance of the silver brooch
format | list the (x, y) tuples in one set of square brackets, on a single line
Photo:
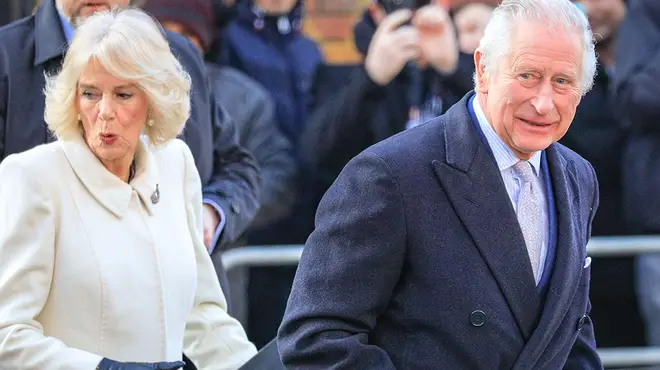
[(155, 197)]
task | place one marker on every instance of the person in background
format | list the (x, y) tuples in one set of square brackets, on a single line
[(266, 42), (103, 263), (383, 94), (35, 46), (251, 108), (637, 59), (598, 135), (471, 20)]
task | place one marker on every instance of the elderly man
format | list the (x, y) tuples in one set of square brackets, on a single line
[(461, 244)]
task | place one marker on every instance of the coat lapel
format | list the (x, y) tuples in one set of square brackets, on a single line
[(475, 187), (570, 254), (111, 192)]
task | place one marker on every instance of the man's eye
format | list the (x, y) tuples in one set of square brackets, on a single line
[(526, 76)]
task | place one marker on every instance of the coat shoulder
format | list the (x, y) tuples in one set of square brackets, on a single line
[(43, 161), (424, 143), (583, 167), (15, 33), (173, 158), (173, 152), (231, 81)]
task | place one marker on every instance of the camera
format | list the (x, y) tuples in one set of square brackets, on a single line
[(392, 5)]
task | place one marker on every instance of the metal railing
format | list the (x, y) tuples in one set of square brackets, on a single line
[(602, 247)]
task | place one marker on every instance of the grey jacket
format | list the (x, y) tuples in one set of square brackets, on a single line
[(251, 108)]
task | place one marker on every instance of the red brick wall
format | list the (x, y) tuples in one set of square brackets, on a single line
[(330, 22)]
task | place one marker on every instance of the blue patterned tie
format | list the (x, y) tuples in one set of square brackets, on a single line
[(529, 214)]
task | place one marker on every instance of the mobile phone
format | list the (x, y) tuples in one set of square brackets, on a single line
[(393, 5)]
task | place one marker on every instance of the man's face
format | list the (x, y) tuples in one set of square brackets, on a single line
[(604, 17), (276, 6), (531, 97), (78, 10)]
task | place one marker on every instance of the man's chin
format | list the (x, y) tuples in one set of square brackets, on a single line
[(87, 11)]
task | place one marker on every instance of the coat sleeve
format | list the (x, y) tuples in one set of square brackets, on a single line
[(638, 66), (234, 182), (348, 271), (584, 355), (213, 340), (274, 154), (27, 259)]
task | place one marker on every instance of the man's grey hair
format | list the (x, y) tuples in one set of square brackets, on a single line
[(554, 13)]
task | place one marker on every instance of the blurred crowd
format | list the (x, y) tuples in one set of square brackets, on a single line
[(303, 119)]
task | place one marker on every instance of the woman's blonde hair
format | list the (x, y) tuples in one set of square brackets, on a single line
[(131, 46)]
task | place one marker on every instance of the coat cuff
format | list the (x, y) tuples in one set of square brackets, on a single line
[(221, 225)]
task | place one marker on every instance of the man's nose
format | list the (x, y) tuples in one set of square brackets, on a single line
[(542, 102)]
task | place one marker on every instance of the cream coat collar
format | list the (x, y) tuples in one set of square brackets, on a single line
[(108, 189)]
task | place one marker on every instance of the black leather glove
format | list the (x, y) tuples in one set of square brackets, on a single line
[(107, 364)]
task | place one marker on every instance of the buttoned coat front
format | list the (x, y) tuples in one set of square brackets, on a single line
[(92, 267)]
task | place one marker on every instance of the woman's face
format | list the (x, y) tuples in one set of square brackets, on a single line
[(113, 114)]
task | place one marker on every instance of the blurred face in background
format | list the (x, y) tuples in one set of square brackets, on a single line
[(604, 17), (181, 30), (471, 21), (78, 10), (276, 6)]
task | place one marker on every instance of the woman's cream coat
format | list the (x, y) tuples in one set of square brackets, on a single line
[(93, 267)]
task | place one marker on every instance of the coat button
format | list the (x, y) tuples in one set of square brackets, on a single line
[(580, 323), (478, 318), (235, 208)]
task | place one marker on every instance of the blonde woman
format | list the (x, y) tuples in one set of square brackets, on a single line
[(102, 258)]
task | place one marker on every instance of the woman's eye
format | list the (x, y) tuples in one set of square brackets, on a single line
[(87, 95), (124, 96)]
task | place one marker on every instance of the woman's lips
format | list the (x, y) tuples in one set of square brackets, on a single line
[(108, 139)]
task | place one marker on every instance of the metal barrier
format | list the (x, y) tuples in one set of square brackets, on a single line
[(602, 247)]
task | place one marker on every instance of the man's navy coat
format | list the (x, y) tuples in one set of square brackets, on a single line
[(418, 262)]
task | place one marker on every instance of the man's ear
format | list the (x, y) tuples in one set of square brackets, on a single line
[(483, 81)]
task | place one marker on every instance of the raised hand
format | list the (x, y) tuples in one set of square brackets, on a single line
[(437, 38), (392, 46)]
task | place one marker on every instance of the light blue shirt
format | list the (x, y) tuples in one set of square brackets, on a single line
[(66, 27), (69, 31), (506, 159)]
